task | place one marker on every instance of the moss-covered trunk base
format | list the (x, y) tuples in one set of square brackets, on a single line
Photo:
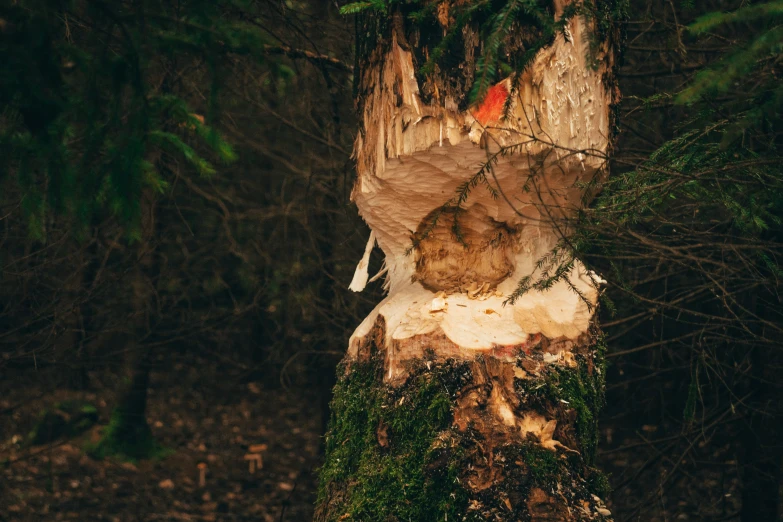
[(128, 434), (437, 447)]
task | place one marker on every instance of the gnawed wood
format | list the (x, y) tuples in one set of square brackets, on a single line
[(523, 381), (411, 159)]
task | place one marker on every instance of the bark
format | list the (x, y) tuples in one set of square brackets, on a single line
[(762, 455), (453, 404), (761, 466), (69, 345), (128, 432)]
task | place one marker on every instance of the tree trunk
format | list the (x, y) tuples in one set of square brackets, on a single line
[(761, 455), (452, 403), (761, 459), (128, 432), (69, 345)]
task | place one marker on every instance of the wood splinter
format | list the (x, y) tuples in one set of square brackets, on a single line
[(255, 461), (202, 474)]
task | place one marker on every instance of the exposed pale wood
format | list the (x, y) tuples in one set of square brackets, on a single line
[(411, 159)]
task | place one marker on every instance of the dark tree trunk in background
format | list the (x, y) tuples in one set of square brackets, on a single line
[(128, 432), (70, 343), (129, 427), (762, 449)]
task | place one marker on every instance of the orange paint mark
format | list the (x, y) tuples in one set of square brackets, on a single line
[(490, 110)]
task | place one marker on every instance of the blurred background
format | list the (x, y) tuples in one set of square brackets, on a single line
[(201, 292)]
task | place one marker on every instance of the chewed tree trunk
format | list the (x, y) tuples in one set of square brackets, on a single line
[(454, 403)]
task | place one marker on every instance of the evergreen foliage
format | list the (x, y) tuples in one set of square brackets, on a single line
[(87, 100), (720, 175), (689, 238), (496, 21), (119, 115), (244, 159)]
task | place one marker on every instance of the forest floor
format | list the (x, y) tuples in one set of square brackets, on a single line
[(199, 415), (659, 475), (203, 414)]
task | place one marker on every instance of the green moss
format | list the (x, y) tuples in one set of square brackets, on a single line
[(127, 439), (88, 409), (65, 419), (580, 389), (392, 454), (544, 465), (598, 483), (393, 445)]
